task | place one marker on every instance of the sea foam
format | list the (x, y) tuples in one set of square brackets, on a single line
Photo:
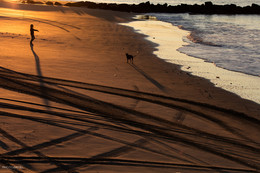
[(170, 38)]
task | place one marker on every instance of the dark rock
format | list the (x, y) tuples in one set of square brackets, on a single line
[(57, 3), (146, 7), (33, 2), (49, 3)]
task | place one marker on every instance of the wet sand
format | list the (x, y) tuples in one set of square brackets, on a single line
[(71, 102), (170, 38)]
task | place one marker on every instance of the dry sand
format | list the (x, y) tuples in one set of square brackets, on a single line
[(72, 103)]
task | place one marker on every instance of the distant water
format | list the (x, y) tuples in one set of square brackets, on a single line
[(230, 41), (170, 38)]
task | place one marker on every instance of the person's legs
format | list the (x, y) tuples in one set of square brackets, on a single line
[(32, 39)]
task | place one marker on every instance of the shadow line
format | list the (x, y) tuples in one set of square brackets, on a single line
[(153, 81), (126, 162), (41, 155), (118, 113), (4, 145), (150, 97), (92, 107), (39, 73)]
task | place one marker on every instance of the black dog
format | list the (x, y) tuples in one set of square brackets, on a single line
[(129, 57)]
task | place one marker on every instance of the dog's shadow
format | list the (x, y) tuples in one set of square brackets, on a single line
[(153, 81)]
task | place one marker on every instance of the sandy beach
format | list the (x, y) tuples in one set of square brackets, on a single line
[(71, 103)]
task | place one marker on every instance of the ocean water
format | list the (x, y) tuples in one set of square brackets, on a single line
[(171, 39), (230, 42), (228, 45), (222, 48)]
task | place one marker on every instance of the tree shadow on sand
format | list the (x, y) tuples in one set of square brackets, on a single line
[(39, 73), (152, 134)]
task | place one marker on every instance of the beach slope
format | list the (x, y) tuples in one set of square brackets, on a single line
[(71, 102)]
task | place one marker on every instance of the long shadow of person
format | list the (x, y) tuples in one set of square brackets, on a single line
[(39, 73)]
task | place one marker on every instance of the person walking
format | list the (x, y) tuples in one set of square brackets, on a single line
[(32, 33)]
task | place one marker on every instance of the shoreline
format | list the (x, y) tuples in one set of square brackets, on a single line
[(147, 52), (71, 102), (244, 85)]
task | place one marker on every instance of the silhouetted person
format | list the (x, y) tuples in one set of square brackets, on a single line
[(32, 33)]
